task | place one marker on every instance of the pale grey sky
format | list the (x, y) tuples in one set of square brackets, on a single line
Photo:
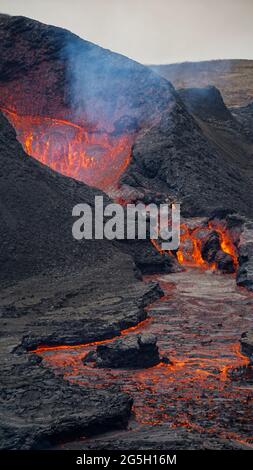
[(152, 31)]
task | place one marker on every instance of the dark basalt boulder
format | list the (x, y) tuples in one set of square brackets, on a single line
[(244, 276), (212, 253), (247, 344), (157, 263), (224, 262), (210, 246), (136, 352)]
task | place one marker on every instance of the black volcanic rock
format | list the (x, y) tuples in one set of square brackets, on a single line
[(148, 259), (136, 352), (247, 344), (152, 261), (212, 253), (224, 262), (210, 246), (205, 103), (244, 275), (39, 409)]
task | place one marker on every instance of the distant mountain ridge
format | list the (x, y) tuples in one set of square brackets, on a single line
[(234, 78)]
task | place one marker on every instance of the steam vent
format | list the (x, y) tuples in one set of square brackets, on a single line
[(120, 344)]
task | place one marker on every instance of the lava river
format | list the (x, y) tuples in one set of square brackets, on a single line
[(208, 386)]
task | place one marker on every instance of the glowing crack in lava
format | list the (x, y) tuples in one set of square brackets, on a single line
[(94, 157), (197, 323), (189, 252), (226, 243)]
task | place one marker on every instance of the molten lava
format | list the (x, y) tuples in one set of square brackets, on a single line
[(136, 328), (95, 157), (189, 252), (226, 243)]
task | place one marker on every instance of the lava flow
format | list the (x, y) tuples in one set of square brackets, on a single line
[(189, 252), (226, 243), (208, 384), (191, 239), (95, 157)]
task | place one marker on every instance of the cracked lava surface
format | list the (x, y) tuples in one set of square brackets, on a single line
[(209, 385)]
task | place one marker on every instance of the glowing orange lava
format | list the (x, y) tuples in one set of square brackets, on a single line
[(226, 243), (189, 252), (94, 157), (139, 326)]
